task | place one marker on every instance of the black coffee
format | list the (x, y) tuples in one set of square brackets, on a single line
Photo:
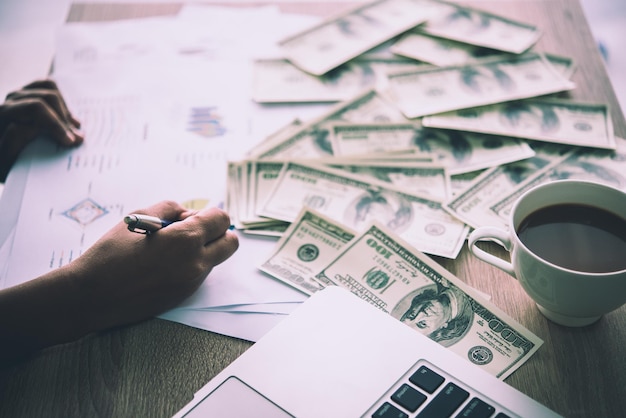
[(577, 237)]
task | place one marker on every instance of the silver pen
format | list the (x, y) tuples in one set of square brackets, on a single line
[(145, 224)]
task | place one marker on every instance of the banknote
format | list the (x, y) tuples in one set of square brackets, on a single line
[(276, 229), (312, 139), (257, 178), (600, 166), (471, 205), (550, 120), (492, 80), (425, 179), (353, 201), (279, 81), (232, 203), (477, 27), (388, 272), (459, 152), (275, 138), (337, 40), (307, 246), (261, 179), (563, 65), (444, 52), (460, 182), (248, 182), (351, 139), (438, 51)]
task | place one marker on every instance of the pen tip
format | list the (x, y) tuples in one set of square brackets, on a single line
[(130, 219)]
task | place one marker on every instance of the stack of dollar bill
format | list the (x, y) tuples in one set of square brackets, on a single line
[(443, 116)]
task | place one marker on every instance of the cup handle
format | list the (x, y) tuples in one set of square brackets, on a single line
[(491, 233)]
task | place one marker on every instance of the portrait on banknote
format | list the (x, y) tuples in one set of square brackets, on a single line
[(467, 22), (472, 26), (482, 80), (444, 145), (534, 117), (374, 204), (586, 170), (442, 313)]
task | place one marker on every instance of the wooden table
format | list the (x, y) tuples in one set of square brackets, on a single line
[(152, 369)]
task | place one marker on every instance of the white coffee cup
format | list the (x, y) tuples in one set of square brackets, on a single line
[(565, 296)]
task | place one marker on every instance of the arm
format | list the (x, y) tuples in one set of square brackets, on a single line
[(122, 279)]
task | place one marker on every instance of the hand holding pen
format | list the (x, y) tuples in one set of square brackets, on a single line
[(121, 279), (139, 278)]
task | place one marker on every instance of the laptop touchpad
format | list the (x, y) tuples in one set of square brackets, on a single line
[(235, 399)]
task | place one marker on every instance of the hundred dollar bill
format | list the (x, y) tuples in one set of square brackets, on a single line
[(337, 40), (307, 246), (459, 152), (350, 139), (279, 81), (424, 179), (262, 176), (601, 166), (481, 28), (233, 201), (275, 138), (472, 204), (259, 177), (385, 270), (445, 52), (563, 65), (353, 201), (312, 140), (276, 229), (557, 121), (438, 51), (493, 80), (460, 182)]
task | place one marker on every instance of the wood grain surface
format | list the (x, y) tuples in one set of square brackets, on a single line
[(152, 369)]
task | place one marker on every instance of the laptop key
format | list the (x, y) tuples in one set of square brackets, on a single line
[(387, 410), (445, 402), (408, 398), (426, 379), (476, 408)]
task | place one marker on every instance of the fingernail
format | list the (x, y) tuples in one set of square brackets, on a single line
[(77, 132)]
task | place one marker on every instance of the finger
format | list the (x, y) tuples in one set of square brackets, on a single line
[(35, 112), (45, 83), (220, 249), (213, 222), (207, 225), (51, 97)]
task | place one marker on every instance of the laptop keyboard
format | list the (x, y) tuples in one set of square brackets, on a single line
[(428, 392)]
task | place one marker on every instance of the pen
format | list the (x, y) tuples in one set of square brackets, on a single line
[(146, 224)]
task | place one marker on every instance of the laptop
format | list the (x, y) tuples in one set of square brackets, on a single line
[(339, 356)]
